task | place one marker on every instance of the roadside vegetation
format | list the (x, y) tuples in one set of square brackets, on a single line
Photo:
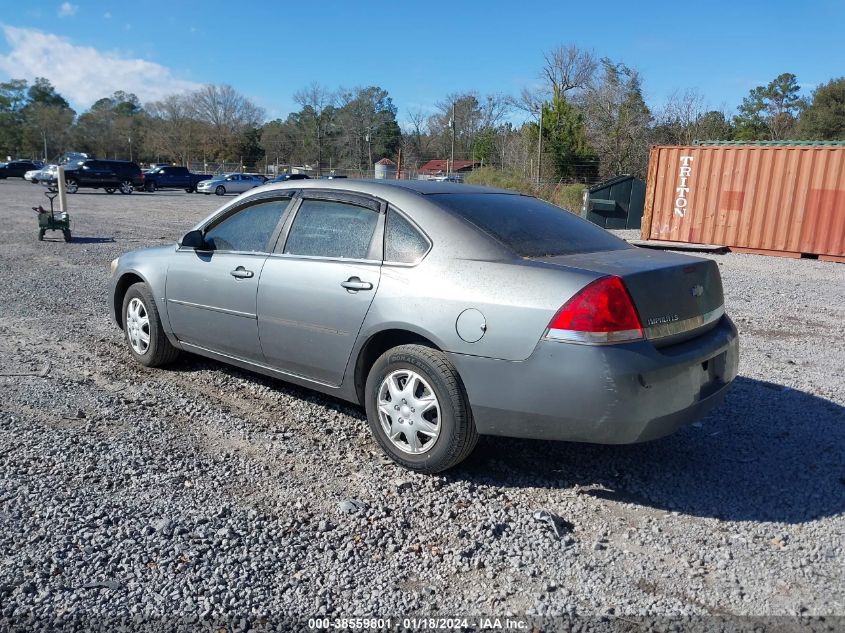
[(568, 196), (595, 124)]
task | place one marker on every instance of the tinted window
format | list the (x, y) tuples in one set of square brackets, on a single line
[(249, 229), (402, 242), (528, 226), (326, 228)]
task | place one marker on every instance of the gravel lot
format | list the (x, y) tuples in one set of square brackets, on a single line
[(207, 493)]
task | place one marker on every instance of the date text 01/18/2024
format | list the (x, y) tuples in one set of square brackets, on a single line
[(418, 624)]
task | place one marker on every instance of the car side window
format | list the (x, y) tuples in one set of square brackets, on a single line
[(329, 228), (249, 229), (403, 243)]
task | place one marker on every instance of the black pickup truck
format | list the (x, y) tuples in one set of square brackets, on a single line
[(172, 177)]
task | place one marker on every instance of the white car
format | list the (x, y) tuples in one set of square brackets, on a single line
[(229, 183), (44, 175)]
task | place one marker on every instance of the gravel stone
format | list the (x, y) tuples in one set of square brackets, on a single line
[(200, 493)]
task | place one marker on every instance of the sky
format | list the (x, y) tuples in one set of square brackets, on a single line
[(419, 52)]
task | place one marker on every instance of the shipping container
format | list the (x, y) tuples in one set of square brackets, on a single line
[(768, 198)]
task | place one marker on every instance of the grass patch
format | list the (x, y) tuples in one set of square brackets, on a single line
[(569, 197)]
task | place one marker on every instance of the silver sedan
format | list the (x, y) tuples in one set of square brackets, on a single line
[(446, 311), (229, 183)]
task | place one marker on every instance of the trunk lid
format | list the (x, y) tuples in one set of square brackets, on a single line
[(677, 297)]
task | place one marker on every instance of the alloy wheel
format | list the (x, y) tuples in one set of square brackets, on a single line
[(138, 326), (409, 412)]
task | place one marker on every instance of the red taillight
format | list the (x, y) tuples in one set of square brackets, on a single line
[(602, 312)]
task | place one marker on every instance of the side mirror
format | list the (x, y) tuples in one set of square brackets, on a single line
[(193, 239)]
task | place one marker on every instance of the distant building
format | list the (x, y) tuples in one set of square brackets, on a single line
[(438, 168), (385, 169)]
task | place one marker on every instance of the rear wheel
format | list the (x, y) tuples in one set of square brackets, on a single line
[(417, 409), (221, 190), (66, 233), (189, 190), (126, 187), (71, 185), (150, 187), (145, 336), (109, 189)]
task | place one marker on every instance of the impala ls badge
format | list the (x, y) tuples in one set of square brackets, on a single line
[(662, 320), (697, 291)]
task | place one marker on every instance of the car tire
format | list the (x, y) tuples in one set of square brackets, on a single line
[(145, 320), (71, 185), (189, 190), (126, 187), (220, 191), (66, 233), (109, 190), (41, 233), (150, 187), (428, 372)]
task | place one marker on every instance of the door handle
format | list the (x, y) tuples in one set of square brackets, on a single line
[(355, 283), (241, 273)]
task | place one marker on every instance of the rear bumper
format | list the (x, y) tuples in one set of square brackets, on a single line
[(612, 394)]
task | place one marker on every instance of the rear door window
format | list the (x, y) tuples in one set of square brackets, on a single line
[(330, 228), (403, 243), (528, 226)]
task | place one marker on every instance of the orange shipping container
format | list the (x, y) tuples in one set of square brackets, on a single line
[(784, 200)]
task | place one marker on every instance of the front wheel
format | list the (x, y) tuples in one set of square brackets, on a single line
[(109, 190), (71, 185), (142, 327), (66, 233), (417, 409), (150, 187), (126, 187), (189, 190), (221, 190)]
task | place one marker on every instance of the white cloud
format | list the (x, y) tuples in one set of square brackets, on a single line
[(84, 74), (107, 15), (67, 9)]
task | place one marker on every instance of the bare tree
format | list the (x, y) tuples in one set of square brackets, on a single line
[(617, 120), (679, 120), (568, 67), (318, 104), (228, 114), (173, 130)]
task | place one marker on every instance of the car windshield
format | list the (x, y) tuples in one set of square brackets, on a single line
[(528, 226)]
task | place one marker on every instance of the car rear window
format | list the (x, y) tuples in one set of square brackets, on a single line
[(528, 226)]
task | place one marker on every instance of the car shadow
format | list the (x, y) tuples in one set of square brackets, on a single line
[(91, 240), (768, 453)]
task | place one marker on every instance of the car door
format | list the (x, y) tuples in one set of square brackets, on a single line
[(246, 183), (91, 173), (211, 292), (317, 286), (164, 178)]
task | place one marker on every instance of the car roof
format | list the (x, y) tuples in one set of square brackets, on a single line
[(385, 187)]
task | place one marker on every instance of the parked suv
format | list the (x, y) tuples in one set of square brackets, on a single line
[(109, 175), (17, 168)]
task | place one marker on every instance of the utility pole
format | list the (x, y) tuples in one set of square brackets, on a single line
[(129, 138), (452, 125), (540, 146), (370, 154)]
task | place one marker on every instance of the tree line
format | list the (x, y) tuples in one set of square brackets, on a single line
[(585, 119)]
